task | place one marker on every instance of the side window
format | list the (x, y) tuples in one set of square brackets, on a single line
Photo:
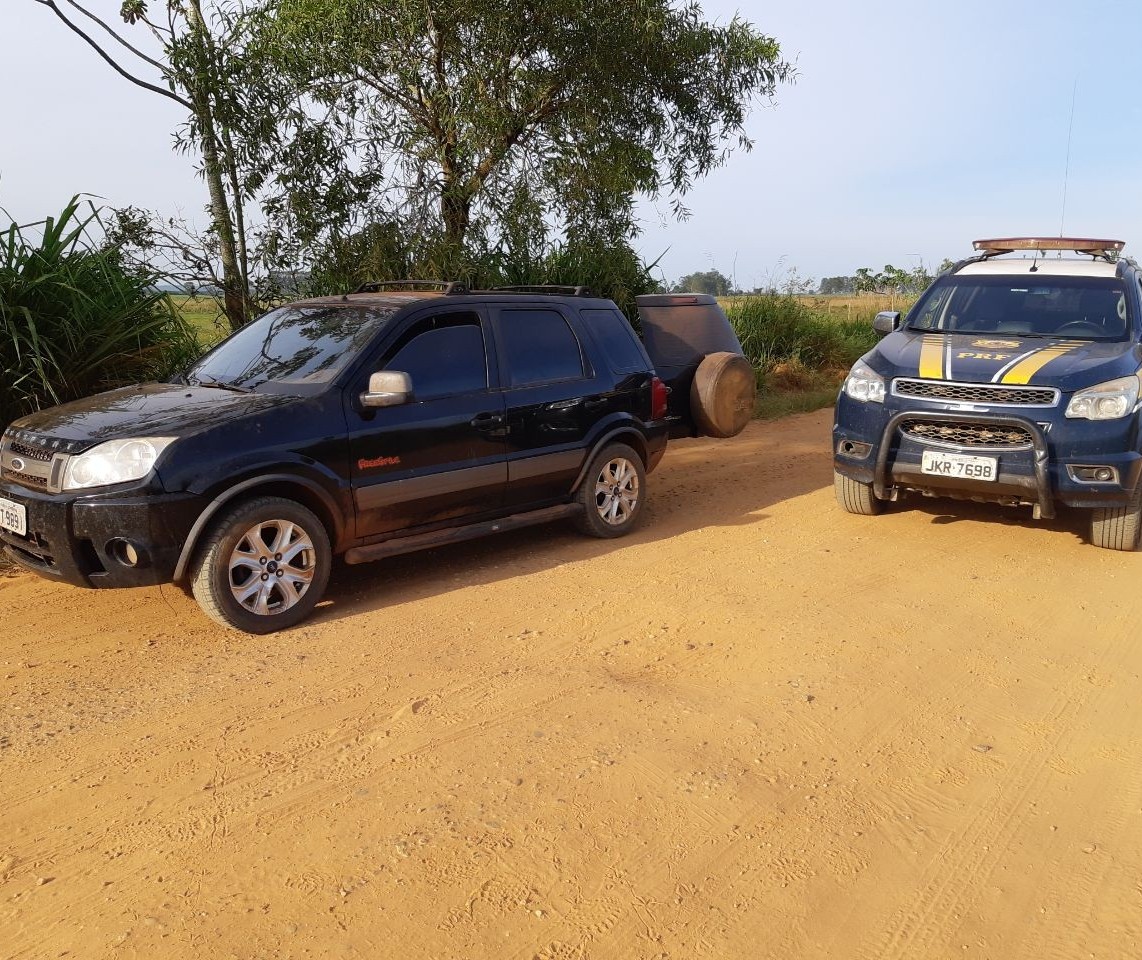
[(618, 341), (538, 347), (444, 354), (930, 315)]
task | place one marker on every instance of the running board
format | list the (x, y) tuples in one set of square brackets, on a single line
[(439, 538)]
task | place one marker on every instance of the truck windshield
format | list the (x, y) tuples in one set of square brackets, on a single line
[(293, 346), (1072, 308)]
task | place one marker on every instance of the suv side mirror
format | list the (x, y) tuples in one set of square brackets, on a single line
[(886, 322), (387, 388)]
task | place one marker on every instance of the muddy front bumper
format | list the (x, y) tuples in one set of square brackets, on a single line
[(127, 540)]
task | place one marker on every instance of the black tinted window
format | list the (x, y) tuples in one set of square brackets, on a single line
[(539, 347), (618, 341), (444, 355)]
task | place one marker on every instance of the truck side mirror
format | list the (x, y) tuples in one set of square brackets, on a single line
[(387, 388), (886, 322)]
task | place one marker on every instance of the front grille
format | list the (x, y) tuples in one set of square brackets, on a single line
[(966, 434), (18, 449), (988, 393), (27, 480)]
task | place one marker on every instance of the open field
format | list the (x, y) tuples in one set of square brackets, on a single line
[(757, 728), (204, 315)]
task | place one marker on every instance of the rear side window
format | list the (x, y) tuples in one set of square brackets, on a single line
[(538, 347), (444, 355), (618, 341)]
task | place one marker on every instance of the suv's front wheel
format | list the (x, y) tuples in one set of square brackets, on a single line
[(612, 492), (263, 566)]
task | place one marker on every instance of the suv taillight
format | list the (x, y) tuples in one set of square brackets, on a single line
[(659, 391)]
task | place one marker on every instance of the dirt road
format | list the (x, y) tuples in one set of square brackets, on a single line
[(757, 728)]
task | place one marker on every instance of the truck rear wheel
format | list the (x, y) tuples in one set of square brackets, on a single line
[(263, 567), (855, 496), (1117, 528), (723, 395)]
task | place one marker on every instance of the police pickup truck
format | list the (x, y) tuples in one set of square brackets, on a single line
[(1014, 379)]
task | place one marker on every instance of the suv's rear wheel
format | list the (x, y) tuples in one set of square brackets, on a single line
[(612, 492), (263, 566), (856, 497), (1117, 528)]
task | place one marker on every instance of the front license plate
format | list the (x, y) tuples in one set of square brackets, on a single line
[(959, 466), (14, 517)]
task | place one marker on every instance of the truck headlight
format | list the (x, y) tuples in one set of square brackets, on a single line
[(864, 384), (1105, 401), (116, 461)]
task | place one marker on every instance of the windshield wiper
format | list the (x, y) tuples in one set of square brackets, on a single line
[(219, 385)]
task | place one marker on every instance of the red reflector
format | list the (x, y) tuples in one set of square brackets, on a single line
[(658, 394)]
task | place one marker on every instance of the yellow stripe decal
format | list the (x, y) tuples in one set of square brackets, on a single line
[(932, 357), (1023, 371)]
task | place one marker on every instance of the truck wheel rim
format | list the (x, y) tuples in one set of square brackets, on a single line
[(616, 491), (272, 567)]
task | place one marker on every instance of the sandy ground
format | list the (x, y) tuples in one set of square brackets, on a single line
[(756, 728)]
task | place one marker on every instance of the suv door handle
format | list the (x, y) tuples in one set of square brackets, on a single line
[(487, 421)]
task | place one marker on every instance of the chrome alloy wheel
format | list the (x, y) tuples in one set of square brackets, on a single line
[(272, 567), (616, 491)]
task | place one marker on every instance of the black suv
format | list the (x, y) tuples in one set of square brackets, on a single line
[(367, 425)]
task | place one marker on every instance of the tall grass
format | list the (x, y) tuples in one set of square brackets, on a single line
[(74, 319), (778, 329)]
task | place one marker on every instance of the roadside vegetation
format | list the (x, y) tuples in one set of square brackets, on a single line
[(800, 348), (76, 319)]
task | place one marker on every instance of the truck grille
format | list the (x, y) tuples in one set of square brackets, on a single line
[(992, 394), (966, 433)]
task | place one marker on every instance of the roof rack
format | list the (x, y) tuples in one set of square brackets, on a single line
[(446, 287), (1104, 249), (567, 290)]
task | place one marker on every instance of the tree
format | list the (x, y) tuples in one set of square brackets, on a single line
[(507, 117), (712, 282), (893, 281), (202, 68), (832, 286)]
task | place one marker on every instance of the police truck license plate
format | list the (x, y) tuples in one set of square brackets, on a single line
[(14, 517), (959, 466)]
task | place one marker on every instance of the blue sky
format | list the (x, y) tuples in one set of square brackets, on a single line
[(912, 129)]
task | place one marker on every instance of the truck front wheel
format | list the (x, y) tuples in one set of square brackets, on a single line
[(856, 497), (1117, 528)]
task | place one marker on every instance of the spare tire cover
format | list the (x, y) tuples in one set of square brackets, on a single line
[(723, 394)]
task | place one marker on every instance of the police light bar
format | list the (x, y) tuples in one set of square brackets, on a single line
[(1085, 245)]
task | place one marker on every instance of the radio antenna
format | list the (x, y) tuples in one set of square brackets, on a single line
[(1067, 169)]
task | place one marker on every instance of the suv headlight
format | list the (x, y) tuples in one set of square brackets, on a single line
[(864, 384), (1105, 401), (116, 461)]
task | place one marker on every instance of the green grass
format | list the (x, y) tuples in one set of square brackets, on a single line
[(800, 353), (781, 403), (204, 316)]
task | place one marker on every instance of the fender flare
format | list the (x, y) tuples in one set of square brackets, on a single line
[(232, 493), (627, 430)]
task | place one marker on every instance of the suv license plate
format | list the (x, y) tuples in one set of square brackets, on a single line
[(959, 466), (14, 517)]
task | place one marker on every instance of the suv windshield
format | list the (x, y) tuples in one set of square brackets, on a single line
[(295, 346), (1073, 308)]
